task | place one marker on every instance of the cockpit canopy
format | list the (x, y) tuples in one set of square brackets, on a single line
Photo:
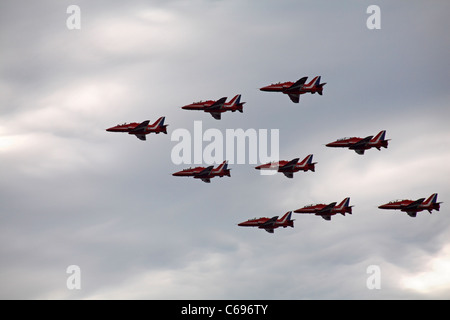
[(345, 138), (395, 201)]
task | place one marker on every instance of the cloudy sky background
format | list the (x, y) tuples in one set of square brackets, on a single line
[(72, 193)]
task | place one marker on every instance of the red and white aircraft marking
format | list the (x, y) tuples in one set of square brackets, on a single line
[(216, 108), (295, 89), (205, 174), (327, 210), (270, 224), (140, 130), (288, 168), (361, 144), (411, 207)]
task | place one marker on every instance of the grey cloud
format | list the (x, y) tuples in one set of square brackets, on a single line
[(72, 193)]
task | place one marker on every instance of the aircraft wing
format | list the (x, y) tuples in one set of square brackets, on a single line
[(269, 223), (295, 98), (413, 206), (289, 174), (141, 137), (327, 217), (412, 213), (140, 127), (207, 180), (216, 115), (217, 105), (205, 172), (297, 85), (327, 209), (290, 165), (361, 143)]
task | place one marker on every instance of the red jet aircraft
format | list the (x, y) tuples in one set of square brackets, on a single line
[(269, 224), (294, 90), (205, 174), (327, 210), (361, 144), (411, 207), (141, 129), (289, 167), (216, 108)]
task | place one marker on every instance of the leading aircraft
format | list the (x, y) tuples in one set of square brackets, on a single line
[(289, 167), (140, 130), (327, 210), (205, 174), (216, 108), (270, 224), (411, 207), (361, 144), (295, 89)]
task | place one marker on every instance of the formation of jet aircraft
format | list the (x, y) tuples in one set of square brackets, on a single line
[(216, 108), (323, 210), (140, 130), (295, 89), (411, 207), (288, 168), (361, 144), (270, 224), (326, 211), (205, 174)]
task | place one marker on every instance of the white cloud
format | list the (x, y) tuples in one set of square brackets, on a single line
[(434, 280)]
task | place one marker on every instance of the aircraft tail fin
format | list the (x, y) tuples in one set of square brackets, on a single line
[(160, 124), (317, 85), (236, 102), (320, 88), (286, 219), (223, 168), (381, 138), (344, 207), (431, 203), (313, 86), (431, 199), (313, 82), (307, 160)]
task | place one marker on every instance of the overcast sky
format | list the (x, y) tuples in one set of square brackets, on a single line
[(73, 194)]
